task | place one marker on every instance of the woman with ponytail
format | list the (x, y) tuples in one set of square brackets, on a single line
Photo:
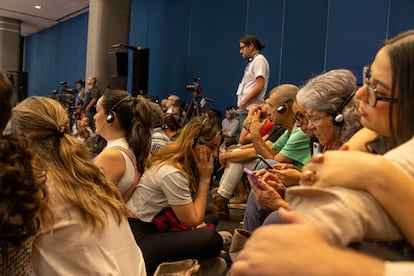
[(89, 233), (125, 122)]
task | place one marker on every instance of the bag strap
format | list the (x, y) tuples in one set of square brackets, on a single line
[(128, 193)]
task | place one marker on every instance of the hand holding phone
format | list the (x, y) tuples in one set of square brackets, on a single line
[(265, 161), (254, 178)]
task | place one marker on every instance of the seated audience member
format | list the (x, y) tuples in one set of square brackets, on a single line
[(22, 187), (125, 123), (230, 126), (163, 105), (362, 203), (83, 132), (178, 110), (158, 137), (213, 114), (264, 110), (166, 128), (169, 204), (90, 234), (170, 101), (172, 127), (332, 116), (291, 147)]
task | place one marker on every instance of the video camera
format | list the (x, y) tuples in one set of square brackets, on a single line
[(67, 88), (195, 86), (65, 95)]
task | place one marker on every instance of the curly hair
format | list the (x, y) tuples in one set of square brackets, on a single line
[(75, 178), (6, 92), (23, 206), (179, 153)]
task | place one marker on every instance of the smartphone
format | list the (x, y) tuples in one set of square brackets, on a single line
[(254, 178), (264, 161)]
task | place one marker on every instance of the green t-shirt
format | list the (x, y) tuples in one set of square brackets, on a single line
[(295, 145)]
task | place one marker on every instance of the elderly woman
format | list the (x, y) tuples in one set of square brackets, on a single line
[(330, 107), (332, 117), (386, 101)]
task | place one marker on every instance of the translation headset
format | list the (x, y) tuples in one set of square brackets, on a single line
[(282, 109), (200, 131), (252, 58), (111, 114), (338, 118)]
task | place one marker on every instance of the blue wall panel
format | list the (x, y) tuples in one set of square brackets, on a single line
[(265, 20), (401, 16), (356, 30), (189, 38), (56, 54), (216, 28), (303, 40), (162, 26)]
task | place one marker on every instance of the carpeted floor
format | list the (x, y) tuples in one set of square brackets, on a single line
[(236, 216)]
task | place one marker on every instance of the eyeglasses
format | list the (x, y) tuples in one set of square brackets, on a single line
[(200, 131), (373, 94), (299, 117), (314, 121)]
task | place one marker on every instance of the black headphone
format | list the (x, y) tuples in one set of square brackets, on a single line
[(199, 132), (282, 109), (338, 117), (111, 114), (252, 58)]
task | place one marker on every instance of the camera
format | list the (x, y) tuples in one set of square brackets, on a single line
[(195, 86), (68, 89)]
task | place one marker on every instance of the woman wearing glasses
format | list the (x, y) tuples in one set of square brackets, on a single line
[(169, 203), (386, 102), (329, 113)]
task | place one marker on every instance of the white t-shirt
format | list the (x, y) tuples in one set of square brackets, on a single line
[(256, 68), (159, 187), (68, 249)]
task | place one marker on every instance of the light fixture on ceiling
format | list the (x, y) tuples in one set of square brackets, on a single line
[(38, 7)]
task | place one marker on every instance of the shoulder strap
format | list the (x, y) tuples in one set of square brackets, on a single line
[(128, 193)]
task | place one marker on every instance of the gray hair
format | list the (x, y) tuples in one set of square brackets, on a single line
[(327, 93)]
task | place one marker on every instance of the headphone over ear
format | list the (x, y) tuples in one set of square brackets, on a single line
[(111, 114), (338, 117), (281, 109)]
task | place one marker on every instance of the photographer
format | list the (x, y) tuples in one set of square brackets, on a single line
[(81, 97), (92, 96)]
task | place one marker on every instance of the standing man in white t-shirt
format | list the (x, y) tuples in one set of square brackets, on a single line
[(253, 86)]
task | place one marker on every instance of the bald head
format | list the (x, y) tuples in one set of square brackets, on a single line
[(283, 93)]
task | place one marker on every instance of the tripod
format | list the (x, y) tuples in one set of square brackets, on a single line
[(194, 109)]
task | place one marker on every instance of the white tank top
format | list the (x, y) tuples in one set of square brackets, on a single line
[(129, 174)]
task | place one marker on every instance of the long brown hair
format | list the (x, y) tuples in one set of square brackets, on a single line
[(179, 153), (70, 172)]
